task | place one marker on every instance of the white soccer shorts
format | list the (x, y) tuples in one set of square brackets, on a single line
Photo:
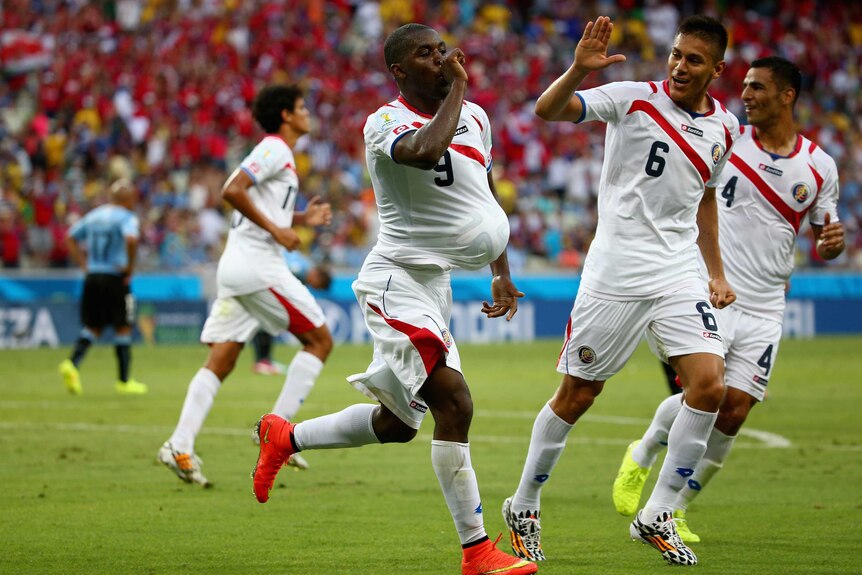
[(752, 346), (602, 334), (407, 315), (289, 306)]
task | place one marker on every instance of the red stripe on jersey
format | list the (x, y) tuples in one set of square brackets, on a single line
[(481, 129), (728, 141), (566, 342), (412, 109), (741, 130), (654, 87), (470, 152), (789, 214), (289, 166), (817, 177), (652, 112), (418, 124), (812, 147), (298, 322), (430, 347)]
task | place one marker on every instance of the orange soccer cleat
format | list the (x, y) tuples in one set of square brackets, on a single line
[(276, 445), (485, 559)]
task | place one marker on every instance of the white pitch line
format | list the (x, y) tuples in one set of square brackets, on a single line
[(766, 439)]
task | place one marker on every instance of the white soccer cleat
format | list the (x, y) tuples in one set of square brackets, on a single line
[(661, 535), (525, 532), (187, 466)]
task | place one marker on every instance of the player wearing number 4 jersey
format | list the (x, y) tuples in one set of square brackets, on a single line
[(429, 156), (256, 290), (665, 143), (774, 178)]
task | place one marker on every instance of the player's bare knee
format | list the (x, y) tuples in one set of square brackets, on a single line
[(389, 429), (574, 397)]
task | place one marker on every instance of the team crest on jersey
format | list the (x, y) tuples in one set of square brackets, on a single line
[(586, 354), (447, 338), (716, 153), (801, 192)]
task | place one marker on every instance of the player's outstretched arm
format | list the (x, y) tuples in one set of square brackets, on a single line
[(558, 103), (828, 238)]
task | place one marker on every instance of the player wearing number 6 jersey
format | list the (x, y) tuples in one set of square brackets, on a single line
[(665, 143), (774, 179), (429, 156), (256, 290)]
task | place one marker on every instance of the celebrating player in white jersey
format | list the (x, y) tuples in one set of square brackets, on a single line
[(429, 156), (256, 289), (665, 143), (774, 178)]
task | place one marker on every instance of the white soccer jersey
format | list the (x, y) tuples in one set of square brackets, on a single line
[(445, 217), (763, 199), (252, 259), (658, 158)]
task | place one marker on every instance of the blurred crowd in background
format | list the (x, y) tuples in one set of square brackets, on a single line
[(159, 91)]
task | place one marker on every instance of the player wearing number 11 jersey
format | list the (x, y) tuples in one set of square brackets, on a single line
[(665, 143), (256, 290)]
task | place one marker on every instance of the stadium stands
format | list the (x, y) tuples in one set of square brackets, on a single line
[(158, 90)]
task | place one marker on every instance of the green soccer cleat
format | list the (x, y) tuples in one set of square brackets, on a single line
[(131, 387), (71, 377), (682, 529), (629, 483)]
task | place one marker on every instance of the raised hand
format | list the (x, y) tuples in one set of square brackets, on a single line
[(591, 52)]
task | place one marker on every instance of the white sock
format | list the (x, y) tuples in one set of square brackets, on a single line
[(546, 445), (655, 438), (686, 446), (301, 374), (199, 400), (451, 462), (717, 449), (350, 427)]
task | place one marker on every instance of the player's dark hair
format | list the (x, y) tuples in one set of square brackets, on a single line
[(785, 73), (399, 42), (325, 277), (707, 29), (269, 103)]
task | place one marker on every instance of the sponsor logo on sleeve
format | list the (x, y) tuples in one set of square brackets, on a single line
[(418, 406), (711, 335), (461, 130)]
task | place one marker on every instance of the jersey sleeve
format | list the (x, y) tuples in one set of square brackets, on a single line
[(131, 227), (827, 199), (267, 159), (384, 128), (611, 102), (78, 231), (481, 118)]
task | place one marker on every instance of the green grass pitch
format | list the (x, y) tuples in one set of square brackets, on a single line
[(82, 493)]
